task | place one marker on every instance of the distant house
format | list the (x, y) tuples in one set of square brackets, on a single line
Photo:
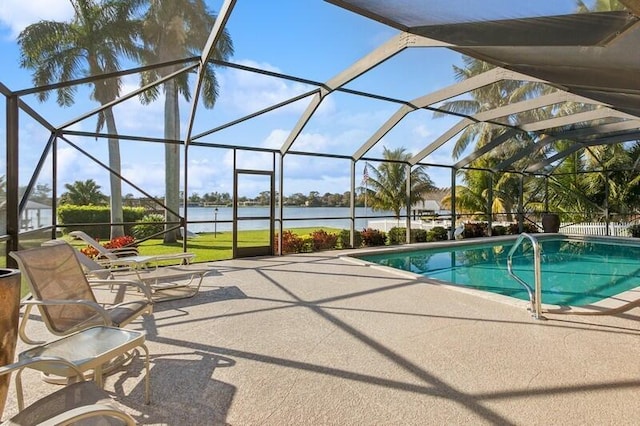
[(32, 216), (431, 205)]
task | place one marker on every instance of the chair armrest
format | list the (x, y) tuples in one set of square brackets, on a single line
[(111, 281), (52, 302), (88, 411), (124, 251), (19, 366), (185, 258), (32, 302), (34, 362)]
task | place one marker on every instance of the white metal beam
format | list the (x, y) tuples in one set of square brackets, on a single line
[(571, 134), (549, 99), (207, 51), (486, 148), (481, 80), (393, 46), (595, 114)]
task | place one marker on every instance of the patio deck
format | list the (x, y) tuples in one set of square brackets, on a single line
[(312, 340)]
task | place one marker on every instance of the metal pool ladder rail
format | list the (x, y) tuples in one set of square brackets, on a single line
[(535, 294)]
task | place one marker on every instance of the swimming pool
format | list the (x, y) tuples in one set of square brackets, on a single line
[(576, 271)]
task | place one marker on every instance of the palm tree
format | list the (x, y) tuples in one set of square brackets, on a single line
[(600, 6), (499, 94), (172, 30), (83, 193), (566, 188), (388, 183), (472, 196), (91, 44)]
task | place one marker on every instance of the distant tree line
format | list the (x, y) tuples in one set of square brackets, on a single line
[(88, 192)]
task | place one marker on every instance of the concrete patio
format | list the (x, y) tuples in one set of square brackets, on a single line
[(315, 340)]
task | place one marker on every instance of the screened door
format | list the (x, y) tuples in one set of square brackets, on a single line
[(253, 212)]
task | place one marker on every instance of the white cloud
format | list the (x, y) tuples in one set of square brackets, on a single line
[(134, 118), (18, 14), (422, 131), (248, 92), (150, 177), (202, 174), (276, 138)]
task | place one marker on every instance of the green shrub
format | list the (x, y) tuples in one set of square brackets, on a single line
[(344, 238), (634, 230), (527, 227), (418, 235), (144, 230), (291, 243), (437, 233), (373, 237), (499, 230), (322, 240), (72, 214), (475, 230), (397, 235)]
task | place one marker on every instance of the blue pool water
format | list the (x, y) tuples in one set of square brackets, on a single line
[(574, 272)]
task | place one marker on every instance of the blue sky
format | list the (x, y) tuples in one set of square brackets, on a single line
[(310, 39)]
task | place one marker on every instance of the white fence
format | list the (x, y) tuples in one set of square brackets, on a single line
[(617, 229)]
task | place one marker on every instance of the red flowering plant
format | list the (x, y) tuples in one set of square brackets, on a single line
[(116, 243), (119, 242)]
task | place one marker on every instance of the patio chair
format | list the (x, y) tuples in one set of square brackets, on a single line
[(168, 282), (82, 401), (65, 297)]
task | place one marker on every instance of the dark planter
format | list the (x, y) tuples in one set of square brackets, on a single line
[(550, 222), (9, 307)]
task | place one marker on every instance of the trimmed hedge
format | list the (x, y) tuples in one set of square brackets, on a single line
[(144, 230), (344, 238), (437, 233), (398, 235), (373, 237), (69, 213)]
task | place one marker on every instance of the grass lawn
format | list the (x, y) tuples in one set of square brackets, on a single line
[(210, 246), (207, 246)]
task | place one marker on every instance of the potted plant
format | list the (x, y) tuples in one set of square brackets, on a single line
[(551, 222), (9, 307)]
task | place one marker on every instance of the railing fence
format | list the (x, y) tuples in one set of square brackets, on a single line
[(617, 229)]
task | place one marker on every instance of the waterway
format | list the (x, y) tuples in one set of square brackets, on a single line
[(210, 219), (293, 217)]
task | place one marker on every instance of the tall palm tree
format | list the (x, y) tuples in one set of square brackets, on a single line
[(499, 94), (471, 197), (91, 44), (386, 185), (566, 189), (83, 193), (172, 30), (599, 6)]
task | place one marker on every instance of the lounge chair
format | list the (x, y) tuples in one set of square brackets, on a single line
[(168, 282), (64, 296), (102, 250), (128, 256)]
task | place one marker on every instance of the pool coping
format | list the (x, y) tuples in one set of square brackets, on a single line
[(609, 306)]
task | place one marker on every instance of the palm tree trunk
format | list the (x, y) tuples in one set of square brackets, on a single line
[(172, 157), (114, 178)]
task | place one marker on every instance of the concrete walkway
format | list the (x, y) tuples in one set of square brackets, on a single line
[(315, 340)]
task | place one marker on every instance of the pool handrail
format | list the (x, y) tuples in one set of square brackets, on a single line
[(535, 295)]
